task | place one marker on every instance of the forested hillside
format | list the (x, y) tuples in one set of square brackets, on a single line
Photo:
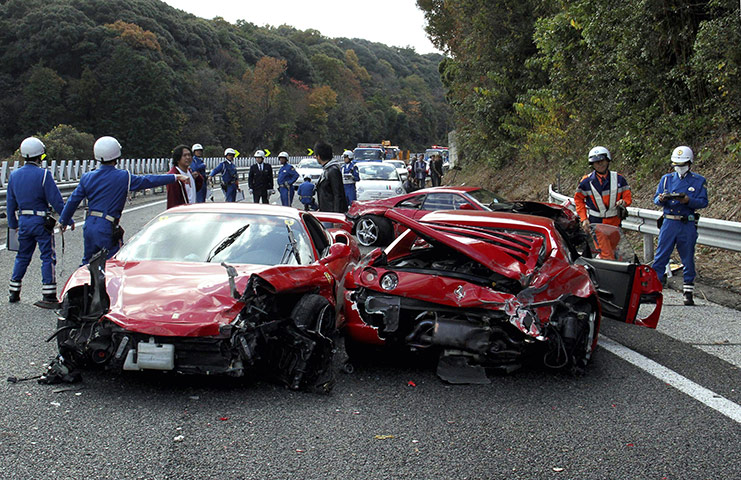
[(154, 76), (541, 81)]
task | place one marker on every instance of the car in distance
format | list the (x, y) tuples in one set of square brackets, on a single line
[(214, 289), (487, 290), (401, 168), (377, 180), (308, 167)]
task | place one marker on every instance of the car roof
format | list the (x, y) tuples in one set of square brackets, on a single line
[(233, 207), (447, 189)]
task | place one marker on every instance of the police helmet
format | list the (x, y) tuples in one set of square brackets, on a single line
[(682, 155), (106, 149), (32, 147), (597, 154)]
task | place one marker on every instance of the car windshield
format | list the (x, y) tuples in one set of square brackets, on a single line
[(309, 163), (396, 163), (368, 154), (485, 197), (377, 171), (219, 237)]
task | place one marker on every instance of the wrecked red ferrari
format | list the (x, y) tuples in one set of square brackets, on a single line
[(489, 290), (214, 289)]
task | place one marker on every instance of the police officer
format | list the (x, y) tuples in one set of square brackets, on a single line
[(680, 193), (350, 175), (287, 176), (31, 189), (229, 176), (106, 189), (306, 194), (260, 179), (599, 199), (198, 167)]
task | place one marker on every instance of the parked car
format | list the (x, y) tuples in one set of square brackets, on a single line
[(377, 180), (401, 168), (214, 289), (308, 167), (487, 290), (372, 229)]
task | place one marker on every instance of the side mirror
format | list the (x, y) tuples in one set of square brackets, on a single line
[(336, 250)]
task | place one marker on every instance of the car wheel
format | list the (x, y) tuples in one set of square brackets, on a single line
[(372, 230), (314, 312)]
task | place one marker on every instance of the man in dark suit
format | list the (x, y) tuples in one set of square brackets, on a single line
[(260, 179), (330, 191)]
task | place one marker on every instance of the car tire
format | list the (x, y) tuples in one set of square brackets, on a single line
[(372, 230), (314, 312)]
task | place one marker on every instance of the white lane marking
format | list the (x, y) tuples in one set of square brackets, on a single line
[(132, 209), (683, 384)]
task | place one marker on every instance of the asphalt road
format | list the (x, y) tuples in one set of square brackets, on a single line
[(616, 421)]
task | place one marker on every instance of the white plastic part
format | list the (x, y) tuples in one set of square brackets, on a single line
[(151, 356)]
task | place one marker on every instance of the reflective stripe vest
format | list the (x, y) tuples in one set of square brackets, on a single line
[(597, 195)]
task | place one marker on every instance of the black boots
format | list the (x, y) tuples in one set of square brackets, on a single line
[(688, 300), (14, 297), (48, 301)]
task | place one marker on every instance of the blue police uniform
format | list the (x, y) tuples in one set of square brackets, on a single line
[(31, 189), (229, 179), (679, 226), (350, 175), (306, 195), (199, 166), (106, 189), (287, 176)]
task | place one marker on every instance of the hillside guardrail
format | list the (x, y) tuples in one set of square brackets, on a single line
[(711, 232)]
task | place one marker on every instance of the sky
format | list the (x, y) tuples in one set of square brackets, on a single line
[(396, 23)]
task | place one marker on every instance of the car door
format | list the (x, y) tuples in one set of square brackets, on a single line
[(622, 283)]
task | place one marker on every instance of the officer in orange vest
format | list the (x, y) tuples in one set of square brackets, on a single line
[(599, 198)]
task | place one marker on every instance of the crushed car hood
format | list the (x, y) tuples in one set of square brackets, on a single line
[(185, 299), (513, 255)]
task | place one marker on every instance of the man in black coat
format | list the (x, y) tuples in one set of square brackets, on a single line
[(330, 190), (260, 179)]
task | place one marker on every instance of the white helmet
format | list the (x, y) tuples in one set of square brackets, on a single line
[(32, 147), (682, 155), (259, 153), (282, 155), (106, 149), (229, 151), (196, 146), (348, 154), (599, 153)]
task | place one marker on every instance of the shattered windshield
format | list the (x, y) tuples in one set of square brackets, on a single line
[(217, 237), (486, 198)]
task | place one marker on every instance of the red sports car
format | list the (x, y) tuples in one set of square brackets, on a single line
[(372, 229), (215, 289), (487, 290)]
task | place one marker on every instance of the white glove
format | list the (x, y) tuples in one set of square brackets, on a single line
[(250, 190)]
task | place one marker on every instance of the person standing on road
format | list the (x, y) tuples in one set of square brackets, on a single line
[(330, 191), (31, 189), (350, 175), (601, 199), (306, 195), (198, 168), (420, 171), (106, 189), (436, 169), (183, 193), (229, 175), (260, 179), (680, 194), (287, 176)]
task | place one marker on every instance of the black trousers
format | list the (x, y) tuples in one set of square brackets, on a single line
[(260, 194)]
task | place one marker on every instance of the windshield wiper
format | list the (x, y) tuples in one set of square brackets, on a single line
[(291, 247), (226, 242)]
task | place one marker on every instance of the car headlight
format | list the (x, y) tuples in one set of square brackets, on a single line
[(399, 190), (389, 281), (370, 274)]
